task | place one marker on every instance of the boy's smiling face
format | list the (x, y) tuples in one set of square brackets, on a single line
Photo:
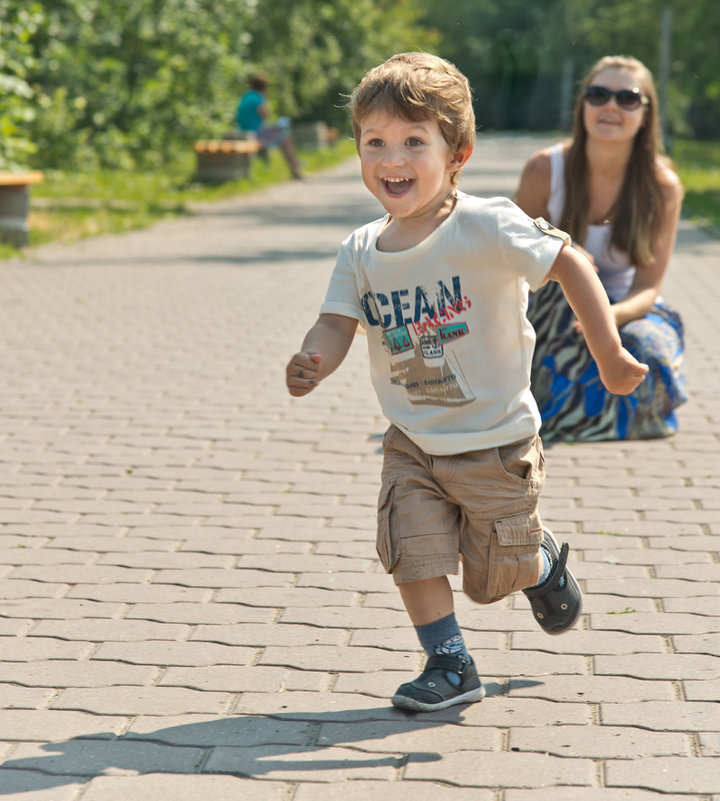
[(407, 165)]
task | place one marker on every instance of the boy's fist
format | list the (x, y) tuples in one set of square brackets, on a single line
[(302, 373), (623, 374)]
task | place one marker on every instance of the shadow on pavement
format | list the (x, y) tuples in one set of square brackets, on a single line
[(245, 745)]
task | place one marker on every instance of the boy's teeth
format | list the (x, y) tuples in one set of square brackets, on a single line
[(401, 184)]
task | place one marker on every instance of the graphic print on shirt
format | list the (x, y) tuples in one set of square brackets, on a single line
[(417, 334)]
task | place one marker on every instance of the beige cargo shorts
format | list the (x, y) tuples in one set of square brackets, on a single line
[(479, 507)]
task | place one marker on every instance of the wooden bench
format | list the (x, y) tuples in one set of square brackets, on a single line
[(15, 204), (224, 159)]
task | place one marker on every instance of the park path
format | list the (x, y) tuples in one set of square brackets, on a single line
[(190, 603)]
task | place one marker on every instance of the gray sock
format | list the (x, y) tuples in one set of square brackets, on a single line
[(444, 637)]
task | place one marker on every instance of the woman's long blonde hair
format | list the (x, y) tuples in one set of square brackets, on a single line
[(638, 211)]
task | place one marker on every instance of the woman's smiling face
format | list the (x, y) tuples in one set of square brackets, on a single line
[(610, 121), (406, 164)]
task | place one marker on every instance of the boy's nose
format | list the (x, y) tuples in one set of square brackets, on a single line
[(393, 156)]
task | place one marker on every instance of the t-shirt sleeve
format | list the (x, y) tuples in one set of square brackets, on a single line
[(342, 295), (528, 247)]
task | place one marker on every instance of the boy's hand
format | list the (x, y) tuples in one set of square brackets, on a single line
[(301, 374), (325, 346), (622, 373)]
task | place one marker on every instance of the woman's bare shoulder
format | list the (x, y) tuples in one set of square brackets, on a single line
[(539, 164), (534, 189), (536, 175), (669, 180)]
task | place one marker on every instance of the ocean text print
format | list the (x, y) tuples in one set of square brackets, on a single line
[(403, 307)]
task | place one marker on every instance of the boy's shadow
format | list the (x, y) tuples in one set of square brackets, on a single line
[(248, 746)]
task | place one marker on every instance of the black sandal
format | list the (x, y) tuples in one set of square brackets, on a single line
[(556, 608), (431, 690)]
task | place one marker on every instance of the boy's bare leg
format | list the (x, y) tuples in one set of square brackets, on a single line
[(450, 676), (428, 600)]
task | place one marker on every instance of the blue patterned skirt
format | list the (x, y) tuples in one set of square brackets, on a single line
[(574, 405)]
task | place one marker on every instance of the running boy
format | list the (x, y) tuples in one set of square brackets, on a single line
[(441, 285)]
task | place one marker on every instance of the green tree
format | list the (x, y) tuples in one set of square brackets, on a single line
[(125, 84), (121, 84), (515, 53), (18, 22), (500, 46), (315, 52), (696, 65)]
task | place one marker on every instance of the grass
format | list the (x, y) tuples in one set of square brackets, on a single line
[(68, 206), (698, 165)]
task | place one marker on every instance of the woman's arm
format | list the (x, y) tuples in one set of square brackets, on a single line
[(646, 284)]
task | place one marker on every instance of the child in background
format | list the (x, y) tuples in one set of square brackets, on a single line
[(253, 115)]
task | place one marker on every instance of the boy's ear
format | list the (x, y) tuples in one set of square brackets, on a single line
[(462, 155)]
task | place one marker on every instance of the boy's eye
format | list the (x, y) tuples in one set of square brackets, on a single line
[(413, 141), (375, 142)]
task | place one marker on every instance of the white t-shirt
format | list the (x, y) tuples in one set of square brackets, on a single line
[(449, 343)]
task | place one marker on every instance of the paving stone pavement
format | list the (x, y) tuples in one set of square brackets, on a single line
[(190, 602)]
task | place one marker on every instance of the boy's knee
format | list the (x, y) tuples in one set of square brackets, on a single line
[(476, 592), (477, 588), (512, 573)]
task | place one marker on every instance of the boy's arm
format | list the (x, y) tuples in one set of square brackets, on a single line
[(620, 372), (325, 346)]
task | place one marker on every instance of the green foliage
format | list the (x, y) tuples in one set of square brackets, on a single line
[(316, 52), (97, 83), (514, 54), (697, 65), (499, 45), (124, 84), (18, 23)]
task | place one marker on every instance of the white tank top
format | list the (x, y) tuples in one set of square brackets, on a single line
[(614, 268)]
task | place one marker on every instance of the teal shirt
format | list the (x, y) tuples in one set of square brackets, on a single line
[(248, 117)]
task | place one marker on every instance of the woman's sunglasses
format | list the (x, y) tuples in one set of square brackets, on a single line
[(628, 99)]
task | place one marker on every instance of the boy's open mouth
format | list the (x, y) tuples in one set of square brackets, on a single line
[(396, 187)]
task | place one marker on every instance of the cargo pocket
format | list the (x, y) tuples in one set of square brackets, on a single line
[(514, 562), (384, 545)]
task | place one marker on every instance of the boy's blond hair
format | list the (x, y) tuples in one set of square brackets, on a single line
[(418, 86)]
